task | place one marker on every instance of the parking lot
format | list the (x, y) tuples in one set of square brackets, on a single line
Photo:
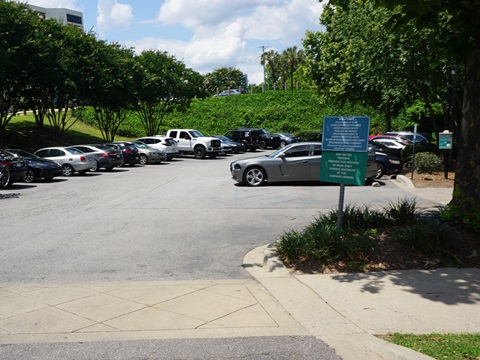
[(179, 220)]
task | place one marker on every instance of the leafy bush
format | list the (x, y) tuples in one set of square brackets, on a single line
[(403, 212), (407, 152), (427, 162)]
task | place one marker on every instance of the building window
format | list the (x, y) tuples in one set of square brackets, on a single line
[(74, 19)]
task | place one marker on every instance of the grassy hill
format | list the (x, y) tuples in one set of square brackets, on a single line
[(297, 111)]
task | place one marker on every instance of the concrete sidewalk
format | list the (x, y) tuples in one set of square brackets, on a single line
[(344, 310), (348, 310), (132, 311)]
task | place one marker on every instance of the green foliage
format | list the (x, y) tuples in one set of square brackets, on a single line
[(430, 237), (427, 162), (465, 212), (223, 78), (407, 151), (440, 346), (402, 212)]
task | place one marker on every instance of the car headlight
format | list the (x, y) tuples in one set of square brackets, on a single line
[(236, 167), (395, 162)]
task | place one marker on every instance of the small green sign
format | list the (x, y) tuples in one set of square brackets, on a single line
[(445, 141), (341, 167)]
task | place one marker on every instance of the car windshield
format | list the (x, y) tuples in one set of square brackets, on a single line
[(196, 133), (141, 145), (25, 154), (279, 151), (74, 151)]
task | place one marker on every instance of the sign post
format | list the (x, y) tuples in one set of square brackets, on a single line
[(445, 142), (344, 153)]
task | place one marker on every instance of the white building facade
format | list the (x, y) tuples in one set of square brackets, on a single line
[(65, 16)]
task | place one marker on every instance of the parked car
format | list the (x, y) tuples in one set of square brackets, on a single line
[(390, 137), (294, 162), (387, 163), (4, 174), (72, 160), (255, 138), (228, 92), (105, 157), (286, 139), (130, 153), (149, 155), (37, 167), (408, 135), (163, 143), (265, 138), (389, 146), (237, 146), (14, 169), (246, 137)]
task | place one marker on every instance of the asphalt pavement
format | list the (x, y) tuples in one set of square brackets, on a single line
[(345, 311)]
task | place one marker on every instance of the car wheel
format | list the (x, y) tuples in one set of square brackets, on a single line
[(30, 177), (380, 170), (262, 145), (67, 170), (4, 177), (143, 159), (199, 152), (95, 168), (254, 176), (283, 144)]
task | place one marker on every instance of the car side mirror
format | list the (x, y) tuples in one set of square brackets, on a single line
[(282, 156)]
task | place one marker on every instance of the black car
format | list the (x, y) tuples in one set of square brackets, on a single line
[(286, 139), (17, 169), (130, 152), (387, 163), (254, 138), (236, 146), (37, 167)]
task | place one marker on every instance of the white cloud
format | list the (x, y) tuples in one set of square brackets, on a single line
[(113, 15)]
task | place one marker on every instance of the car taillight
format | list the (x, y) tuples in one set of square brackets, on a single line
[(128, 150), (82, 158), (105, 155), (6, 162)]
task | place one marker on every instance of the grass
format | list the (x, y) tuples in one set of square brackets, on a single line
[(441, 346), (23, 134)]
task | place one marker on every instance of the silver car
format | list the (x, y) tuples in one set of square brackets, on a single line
[(71, 159), (294, 162), (149, 155), (163, 143)]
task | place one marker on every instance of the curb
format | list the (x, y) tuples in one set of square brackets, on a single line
[(404, 181), (353, 346)]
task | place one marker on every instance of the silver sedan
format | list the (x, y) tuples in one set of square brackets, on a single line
[(295, 162)]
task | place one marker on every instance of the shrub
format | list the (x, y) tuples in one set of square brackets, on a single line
[(428, 162), (407, 152), (403, 212)]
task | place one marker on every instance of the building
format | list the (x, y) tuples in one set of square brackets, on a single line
[(65, 16)]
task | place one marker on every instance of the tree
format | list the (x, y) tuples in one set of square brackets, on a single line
[(224, 78), (359, 59), (17, 40), (459, 40), (292, 59), (165, 85), (271, 60), (110, 77)]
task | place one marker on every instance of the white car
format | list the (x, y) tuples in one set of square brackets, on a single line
[(163, 143), (71, 159)]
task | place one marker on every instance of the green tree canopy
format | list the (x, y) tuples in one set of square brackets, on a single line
[(223, 78)]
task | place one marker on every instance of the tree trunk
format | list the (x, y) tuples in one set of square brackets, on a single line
[(467, 179)]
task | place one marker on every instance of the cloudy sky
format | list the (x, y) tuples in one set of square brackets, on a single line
[(204, 34)]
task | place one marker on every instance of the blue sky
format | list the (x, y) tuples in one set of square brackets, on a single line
[(204, 34)]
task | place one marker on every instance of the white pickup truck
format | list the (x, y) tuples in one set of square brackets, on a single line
[(193, 142)]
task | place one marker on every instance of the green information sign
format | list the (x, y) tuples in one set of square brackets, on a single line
[(343, 167)]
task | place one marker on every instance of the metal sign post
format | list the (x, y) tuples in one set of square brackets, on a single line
[(344, 153)]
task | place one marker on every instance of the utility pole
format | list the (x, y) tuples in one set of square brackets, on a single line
[(263, 60)]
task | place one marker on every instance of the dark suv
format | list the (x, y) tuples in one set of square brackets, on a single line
[(254, 138)]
